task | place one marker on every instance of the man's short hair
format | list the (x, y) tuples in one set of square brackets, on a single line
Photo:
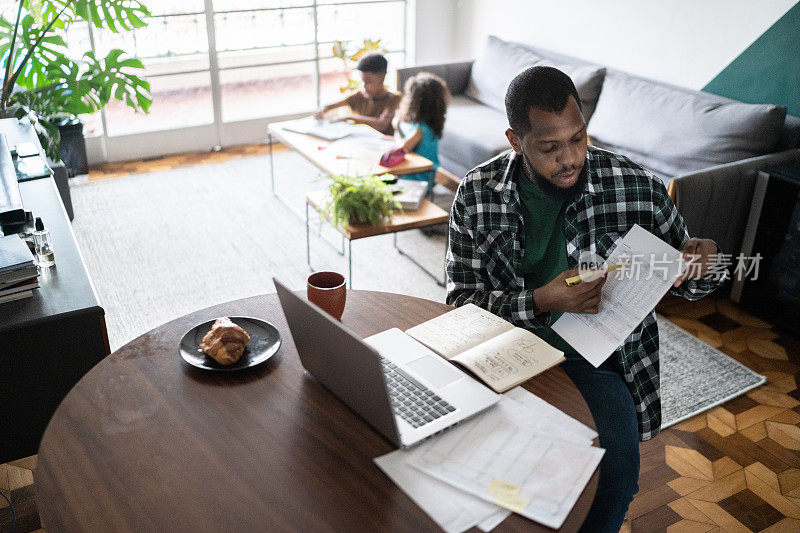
[(373, 62), (544, 88)]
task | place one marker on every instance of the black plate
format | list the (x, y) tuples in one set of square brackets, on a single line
[(264, 342)]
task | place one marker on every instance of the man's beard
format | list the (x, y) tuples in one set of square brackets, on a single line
[(552, 190)]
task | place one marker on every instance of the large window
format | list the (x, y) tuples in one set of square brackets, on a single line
[(214, 62)]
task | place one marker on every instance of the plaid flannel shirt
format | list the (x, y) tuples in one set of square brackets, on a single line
[(487, 247)]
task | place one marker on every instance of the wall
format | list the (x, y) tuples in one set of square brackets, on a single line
[(683, 42), (768, 70), (431, 31)]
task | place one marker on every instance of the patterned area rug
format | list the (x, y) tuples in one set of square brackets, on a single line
[(695, 376)]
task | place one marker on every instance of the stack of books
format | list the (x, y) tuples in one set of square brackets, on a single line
[(410, 193), (18, 271)]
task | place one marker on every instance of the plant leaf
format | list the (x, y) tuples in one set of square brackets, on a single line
[(114, 15)]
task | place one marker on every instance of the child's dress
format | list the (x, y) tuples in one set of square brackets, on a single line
[(428, 148)]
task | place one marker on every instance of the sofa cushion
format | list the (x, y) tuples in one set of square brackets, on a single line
[(501, 61), (674, 131), (473, 133)]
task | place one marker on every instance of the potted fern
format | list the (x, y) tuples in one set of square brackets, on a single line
[(359, 200)]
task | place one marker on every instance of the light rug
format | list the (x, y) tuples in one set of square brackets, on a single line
[(696, 376), (162, 245)]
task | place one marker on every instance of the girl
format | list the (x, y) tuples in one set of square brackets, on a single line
[(420, 120)]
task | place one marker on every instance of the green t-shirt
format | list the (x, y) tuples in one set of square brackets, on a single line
[(545, 246)]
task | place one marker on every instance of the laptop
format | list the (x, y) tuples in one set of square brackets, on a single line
[(401, 388)]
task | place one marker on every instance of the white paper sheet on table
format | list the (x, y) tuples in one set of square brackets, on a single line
[(495, 520), (549, 474), (628, 295), (323, 129), (361, 145), (454, 509), (539, 415)]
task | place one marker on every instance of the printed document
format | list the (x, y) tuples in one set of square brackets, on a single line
[(456, 510), (453, 509), (629, 294), (511, 466)]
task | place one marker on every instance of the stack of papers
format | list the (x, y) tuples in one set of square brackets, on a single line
[(523, 455)]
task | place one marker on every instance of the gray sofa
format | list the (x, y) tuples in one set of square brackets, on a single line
[(705, 148)]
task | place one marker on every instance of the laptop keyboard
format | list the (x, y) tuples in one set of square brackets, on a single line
[(413, 401)]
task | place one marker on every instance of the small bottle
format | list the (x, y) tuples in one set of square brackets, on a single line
[(43, 245)]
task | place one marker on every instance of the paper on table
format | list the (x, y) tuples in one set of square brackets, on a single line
[(459, 330), (367, 146), (538, 415), (510, 358), (628, 295), (495, 520), (512, 466), (323, 129), (453, 509)]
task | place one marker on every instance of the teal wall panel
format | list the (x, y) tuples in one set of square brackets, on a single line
[(768, 71)]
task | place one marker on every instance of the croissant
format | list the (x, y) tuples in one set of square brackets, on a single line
[(225, 342)]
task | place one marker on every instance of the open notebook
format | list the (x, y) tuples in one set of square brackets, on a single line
[(494, 350)]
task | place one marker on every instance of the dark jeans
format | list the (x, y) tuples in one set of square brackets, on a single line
[(611, 405)]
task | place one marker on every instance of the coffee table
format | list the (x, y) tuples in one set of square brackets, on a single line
[(428, 214), (338, 157), (145, 442)]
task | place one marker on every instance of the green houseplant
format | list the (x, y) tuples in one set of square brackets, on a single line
[(359, 199), (44, 82), (349, 59)]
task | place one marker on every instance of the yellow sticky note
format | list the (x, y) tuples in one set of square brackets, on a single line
[(499, 488), (516, 503)]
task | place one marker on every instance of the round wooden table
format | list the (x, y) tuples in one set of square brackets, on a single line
[(146, 442)]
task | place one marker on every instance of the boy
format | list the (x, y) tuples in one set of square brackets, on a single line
[(373, 105)]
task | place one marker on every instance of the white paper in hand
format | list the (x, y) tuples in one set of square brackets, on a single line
[(629, 294)]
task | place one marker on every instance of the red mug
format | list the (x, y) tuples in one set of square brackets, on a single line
[(328, 291)]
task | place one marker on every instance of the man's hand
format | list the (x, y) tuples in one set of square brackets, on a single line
[(701, 254), (558, 296)]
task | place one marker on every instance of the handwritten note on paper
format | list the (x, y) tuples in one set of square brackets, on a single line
[(628, 295), (510, 358), (459, 330)]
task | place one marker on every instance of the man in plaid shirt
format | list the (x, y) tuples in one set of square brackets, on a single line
[(518, 226)]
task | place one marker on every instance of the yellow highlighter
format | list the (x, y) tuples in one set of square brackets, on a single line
[(591, 275)]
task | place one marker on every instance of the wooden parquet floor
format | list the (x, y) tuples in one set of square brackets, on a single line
[(734, 468), (737, 466), (146, 166)]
